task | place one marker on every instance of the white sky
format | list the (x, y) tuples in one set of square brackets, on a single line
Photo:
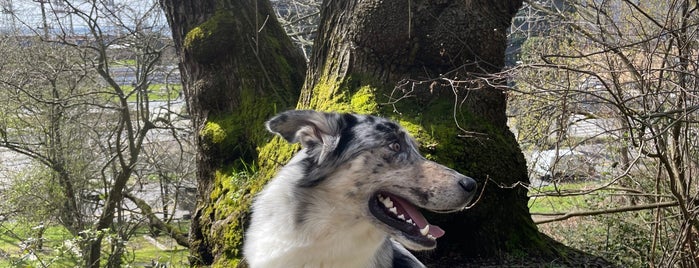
[(26, 14)]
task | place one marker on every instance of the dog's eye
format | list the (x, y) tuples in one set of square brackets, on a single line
[(394, 146)]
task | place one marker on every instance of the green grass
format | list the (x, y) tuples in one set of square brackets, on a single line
[(140, 252), (540, 203), (157, 92), (619, 238), (15, 253), (124, 63)]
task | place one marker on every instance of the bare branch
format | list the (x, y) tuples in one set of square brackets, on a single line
[(567, 215)]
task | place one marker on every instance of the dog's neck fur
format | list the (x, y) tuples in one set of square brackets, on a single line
[(328, 240)]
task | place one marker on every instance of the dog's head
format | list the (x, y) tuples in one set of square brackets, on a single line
[(374, 165)]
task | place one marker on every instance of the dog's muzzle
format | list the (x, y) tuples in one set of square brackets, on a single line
[(403, 216), (468, 184)]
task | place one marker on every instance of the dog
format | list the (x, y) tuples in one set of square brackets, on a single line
[(350, 196)]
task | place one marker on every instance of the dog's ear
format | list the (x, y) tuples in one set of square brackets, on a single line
[(308, 127)]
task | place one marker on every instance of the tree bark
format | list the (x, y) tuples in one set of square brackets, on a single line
[(238, 68), (430, 65), (426, 64)]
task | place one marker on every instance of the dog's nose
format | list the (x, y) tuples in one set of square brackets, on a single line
[(468, 184)]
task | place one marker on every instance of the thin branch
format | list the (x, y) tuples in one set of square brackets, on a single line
[(567, 215), (155, 222)]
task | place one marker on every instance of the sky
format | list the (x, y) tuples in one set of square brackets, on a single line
[(25, 16)]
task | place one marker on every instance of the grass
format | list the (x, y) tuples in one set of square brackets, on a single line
[(142, 252), (539, 203), (125, 63), (157, 92), (615, 237), (16, 251)]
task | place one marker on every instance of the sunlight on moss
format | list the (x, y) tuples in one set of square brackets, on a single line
[(213, 132), (364, 100), (194, 36)]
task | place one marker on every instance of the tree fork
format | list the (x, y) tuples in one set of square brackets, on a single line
[(443, 50), (362, 52)]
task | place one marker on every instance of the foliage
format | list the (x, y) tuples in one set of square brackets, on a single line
[(619, 238), (87, 135), (19, 246)]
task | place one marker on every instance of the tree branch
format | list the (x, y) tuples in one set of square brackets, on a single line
[(155, 222), (567, 215)]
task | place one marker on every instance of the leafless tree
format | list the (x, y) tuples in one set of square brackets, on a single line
[(628, 70), (300, 21), (67, 107)]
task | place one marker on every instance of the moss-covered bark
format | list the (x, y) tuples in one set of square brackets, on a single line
[(238, 67), (423, 65), (382, 57)]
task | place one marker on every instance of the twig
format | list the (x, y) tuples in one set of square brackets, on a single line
[(567, 215), (479, 195)]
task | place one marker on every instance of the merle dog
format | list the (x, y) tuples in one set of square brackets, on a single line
[(351, 196)]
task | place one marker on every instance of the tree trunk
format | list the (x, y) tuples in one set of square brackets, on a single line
[(238, 68), (429, 65), (426, 64)]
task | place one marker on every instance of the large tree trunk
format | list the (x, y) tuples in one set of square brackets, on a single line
[(434, 60), (427, 64), (238, 68)]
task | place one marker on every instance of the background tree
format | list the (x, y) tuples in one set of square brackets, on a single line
[(427, 65), (66, 110), (300, 21), (625, 70)]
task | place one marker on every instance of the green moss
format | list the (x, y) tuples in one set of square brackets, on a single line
[(231, 197), (231, 138), (364, 100), (225, 220), (357, 94), (209, 40), (213, 132), (424, 137), (195, 36), (327, 99), (232, 186)]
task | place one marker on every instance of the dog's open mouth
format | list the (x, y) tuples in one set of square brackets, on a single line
[(403, 216)]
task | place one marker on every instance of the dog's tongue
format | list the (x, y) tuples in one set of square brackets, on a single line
[(417, 217)]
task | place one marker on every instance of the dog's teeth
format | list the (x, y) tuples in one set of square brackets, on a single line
[(401, 217), (386, 201), (425, 230), (431, 236), (393, 210), (410, 221)]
